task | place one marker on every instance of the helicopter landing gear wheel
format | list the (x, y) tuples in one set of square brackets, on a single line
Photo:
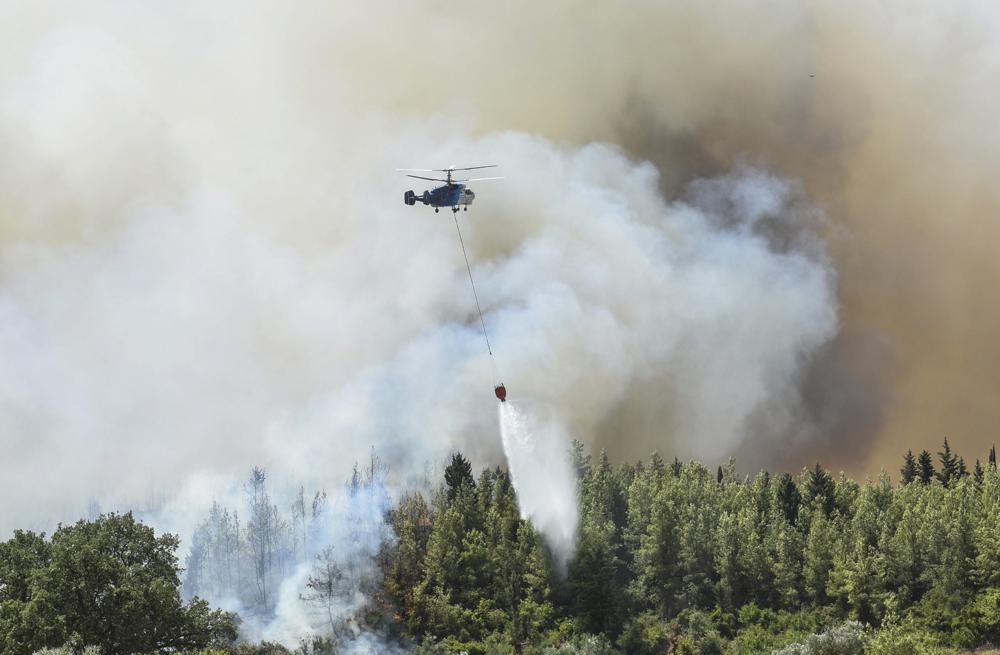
[(465, 209), (436, 210)]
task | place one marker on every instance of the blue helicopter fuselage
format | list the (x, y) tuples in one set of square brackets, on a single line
[(451, 195)]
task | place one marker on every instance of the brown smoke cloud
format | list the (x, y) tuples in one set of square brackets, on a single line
[(883, 112)]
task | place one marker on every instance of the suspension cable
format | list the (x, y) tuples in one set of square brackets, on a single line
[(475, 295)]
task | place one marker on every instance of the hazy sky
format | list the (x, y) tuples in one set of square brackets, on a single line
[(766, 230)]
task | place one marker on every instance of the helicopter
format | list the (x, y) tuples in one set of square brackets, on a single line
[(453, 194)]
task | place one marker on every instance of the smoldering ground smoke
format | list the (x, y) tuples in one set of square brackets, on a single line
[(205, 262)]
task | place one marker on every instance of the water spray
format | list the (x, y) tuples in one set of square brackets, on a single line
[(536, 443)]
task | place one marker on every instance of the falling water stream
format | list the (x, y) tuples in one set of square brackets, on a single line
[(537, 448)]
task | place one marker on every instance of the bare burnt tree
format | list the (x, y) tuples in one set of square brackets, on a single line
[(326, 590)]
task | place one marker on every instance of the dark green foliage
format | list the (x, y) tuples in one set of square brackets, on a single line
[(926, 467), (261, 648), (21, 558), (820, 489), (596, 595), (580, 458), (646, 634), (949, 464), (978, 473), (110, 582), (909, 472), (469, 568), (458, 475), (677, 558), (656, 463), (993, 456), (411, 521), (789, 498)]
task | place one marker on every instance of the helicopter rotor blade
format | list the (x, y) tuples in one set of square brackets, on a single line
[(478, 179), (445, 170), (432, 179), (469, 168)]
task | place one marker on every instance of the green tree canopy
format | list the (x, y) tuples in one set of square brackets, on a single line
[(909, 472), (926, 467), (949, 464), (458, 475), (110, 581)]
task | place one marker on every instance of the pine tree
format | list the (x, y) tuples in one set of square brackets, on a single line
[(676, 467), (580, 459), (597, 596), (963, 472), (956, 550), (993, 456), (657, 569), (949, 464), (718, 476), (411, 522), (926, 467), (820, 487), (319, 504), (326, 590), (458, 475), (978, 473), (789, 498), (905, 549), (818, 557), (264, 530), (530, 608), (788, 559), (600, 490), (909, 471)]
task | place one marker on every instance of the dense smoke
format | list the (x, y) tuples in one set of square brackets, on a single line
[(205, 261), (295, 566)]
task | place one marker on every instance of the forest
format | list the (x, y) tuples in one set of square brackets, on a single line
[(671, 557)]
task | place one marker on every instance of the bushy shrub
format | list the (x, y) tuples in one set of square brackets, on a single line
[(260, 648), (846, 639), (583, 645), (492, 645), (765, 630), (430, 648), (904, 640), (644, 635), (979, 621), (701, 629)]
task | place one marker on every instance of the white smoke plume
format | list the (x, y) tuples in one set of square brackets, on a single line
[(205, 264), (347, 537)]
